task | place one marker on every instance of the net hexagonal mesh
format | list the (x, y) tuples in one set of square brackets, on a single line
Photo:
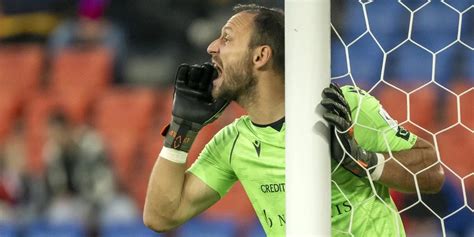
[(417, 59)]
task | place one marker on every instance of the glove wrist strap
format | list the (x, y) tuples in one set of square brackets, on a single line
[(180, 134), (378, 169)]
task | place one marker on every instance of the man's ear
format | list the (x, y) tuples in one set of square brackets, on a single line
[(262, 55)]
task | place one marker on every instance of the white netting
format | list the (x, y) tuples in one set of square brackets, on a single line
[(417, 58)]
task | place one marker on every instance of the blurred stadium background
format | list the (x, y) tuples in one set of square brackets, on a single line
[(85, 88)]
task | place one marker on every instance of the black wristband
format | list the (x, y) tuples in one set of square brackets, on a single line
[(180, 134)]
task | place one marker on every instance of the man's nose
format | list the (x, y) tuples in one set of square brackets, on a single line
[(213, 47)]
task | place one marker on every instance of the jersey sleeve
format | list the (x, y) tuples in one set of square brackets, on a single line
[(374, 129), (212, 165)]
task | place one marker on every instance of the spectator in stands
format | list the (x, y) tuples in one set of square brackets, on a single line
[(92, 174), (79, 176), (77, 163), (60, 155), (22, 196), (91, 30), (12, 166)]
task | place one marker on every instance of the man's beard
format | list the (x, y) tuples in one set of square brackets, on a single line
[(238, 81)]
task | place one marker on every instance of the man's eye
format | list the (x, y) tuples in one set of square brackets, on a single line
[(225, 39)]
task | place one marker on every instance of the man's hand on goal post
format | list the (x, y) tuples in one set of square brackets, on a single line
[(344, 148)]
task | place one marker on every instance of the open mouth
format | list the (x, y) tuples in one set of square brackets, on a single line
[(218, 69)]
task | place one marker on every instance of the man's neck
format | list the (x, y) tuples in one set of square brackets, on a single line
[(267, 102)]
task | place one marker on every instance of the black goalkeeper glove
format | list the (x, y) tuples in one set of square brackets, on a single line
[(193, 105), (343, 144)]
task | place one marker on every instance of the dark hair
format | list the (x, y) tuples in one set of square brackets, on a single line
[(269, 29)]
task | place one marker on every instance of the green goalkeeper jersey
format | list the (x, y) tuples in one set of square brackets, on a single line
[(357, 207), (255, 156)]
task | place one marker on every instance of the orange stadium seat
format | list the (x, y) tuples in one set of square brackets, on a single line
[(464, 89), (78, 76), (166, 102), (123, 117), (20, 68), (130, 109), (393, 101), (10, 103), (423, 107), (20, 74), (467, 110), (456, 146)]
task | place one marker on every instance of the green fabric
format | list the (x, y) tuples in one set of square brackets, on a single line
[(232, 155), (256, 157), (372, 210)]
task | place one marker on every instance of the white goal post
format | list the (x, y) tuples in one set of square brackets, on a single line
[(307, 66)]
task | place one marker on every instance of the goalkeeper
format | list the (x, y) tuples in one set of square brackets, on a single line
[(248, 67)]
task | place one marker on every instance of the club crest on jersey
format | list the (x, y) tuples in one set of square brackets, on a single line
[(257, 146)]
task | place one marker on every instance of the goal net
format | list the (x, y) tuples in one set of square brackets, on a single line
[(417, 58)]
